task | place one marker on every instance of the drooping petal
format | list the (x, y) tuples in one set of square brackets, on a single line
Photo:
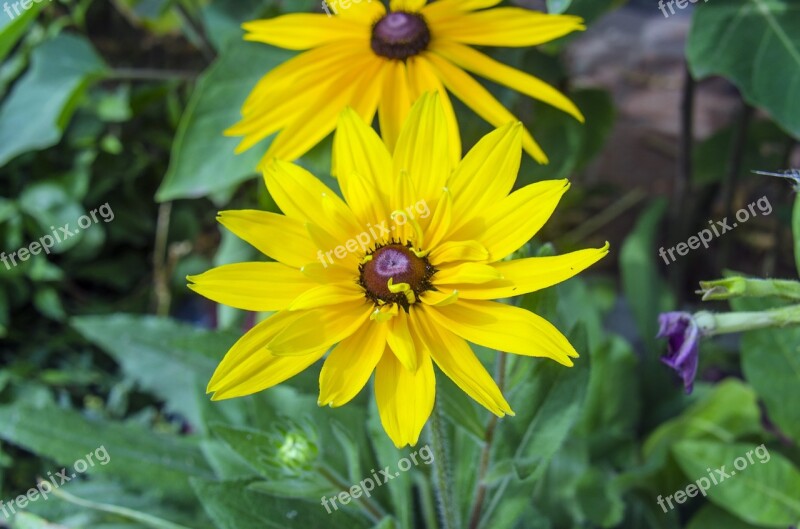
[(505, 328), (522, 276), (508, 27), (487, 173), (425, 132), (277, 236), (319, 328), (405, 399), (475, 96), (455, 358), (252, 286), (301, 31), (248, 367), (480, 64), (512, 222), (350, 364)]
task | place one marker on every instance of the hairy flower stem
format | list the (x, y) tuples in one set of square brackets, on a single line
[(441, 474), (480, 492), (711, 324), (735, 287)]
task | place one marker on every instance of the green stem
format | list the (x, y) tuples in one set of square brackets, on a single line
[(440, 471), (734, 287), (729, 322)]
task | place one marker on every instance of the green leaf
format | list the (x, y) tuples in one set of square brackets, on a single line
[(755, 44), (557, 7), (173, 361), (763, 492), (711, 516), (12, 29), (203, 160), (232, 505), (25, 520), (38, 109), (143, 458)]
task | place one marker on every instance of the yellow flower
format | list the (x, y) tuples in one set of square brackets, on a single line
[(397, 276), (371, 60)]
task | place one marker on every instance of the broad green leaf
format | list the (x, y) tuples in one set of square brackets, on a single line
[(172, 360), (712, 516), (143, 458), (25, 520), (763, 492), (41, 103), (755, 44), (231, 505), (203, 160)]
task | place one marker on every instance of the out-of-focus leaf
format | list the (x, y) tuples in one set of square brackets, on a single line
[(712, 516), (12, 29), (38, 109), (26, 520), (762, 493), (203, 160), (557, 7), (732, 39)]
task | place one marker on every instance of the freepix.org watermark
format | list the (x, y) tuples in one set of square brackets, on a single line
[(367, 485), (715, 477), (46, 486), (364, 240), (58, 236), (717, 228), (25, 4), (681, 4)]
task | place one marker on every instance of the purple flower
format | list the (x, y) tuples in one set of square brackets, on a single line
[(683, 344)]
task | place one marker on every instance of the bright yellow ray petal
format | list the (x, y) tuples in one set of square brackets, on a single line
[(317, 121), (507, 27), (522, 276), (401, 343), (505, 328), (301, 196), (466, 273), (350, 364), (439, 298), (513, 222), (327, 295), (448, 8), (405, 399), (301, 31), (480, 64), (277, 236), (396, 102), (365, 12), (422, 78), (425, 132), (320, 328), (440, 223), (455, 358), (326, 272), (475, 96), (487, 173), (361, 162), (259, 287), (333, 249), (409, 6), (248, 367), (452, 251)]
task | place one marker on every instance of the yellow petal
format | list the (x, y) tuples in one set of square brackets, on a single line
[(522, 276), (439, 298), (327, 295), (435, 11), (301, 31), (248, 367), (350, 364), (466, 273), (424, 133), (277, 236), (455, 358), (508, 27), (422, 79), (364, 12), (259, 287), (300, 195), (409, 6), (396, 102), (515, 220), (320, 328), (405, 399), (505, 328), (480, 64), (401, 342), (476, 97), (452, 251), (487, 173), (439, 225)]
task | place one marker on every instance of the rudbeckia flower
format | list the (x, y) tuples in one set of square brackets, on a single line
[(398, 276), (373, 60)]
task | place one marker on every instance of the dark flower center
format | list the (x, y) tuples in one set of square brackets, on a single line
[(400, 35), (395, 274)]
